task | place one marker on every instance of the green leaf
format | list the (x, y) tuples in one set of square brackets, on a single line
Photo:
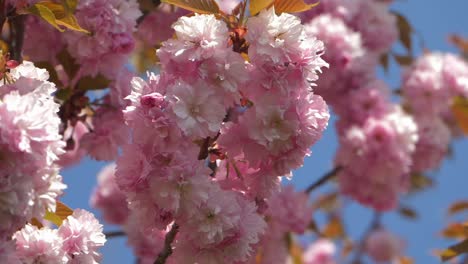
[(61, 213), (197, 6), (88, 83), (292, 6), (258, 5), (58, 15), (70, 5), (43, 12), (454, 250)]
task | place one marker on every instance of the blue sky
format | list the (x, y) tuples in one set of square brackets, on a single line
[(433, 20)]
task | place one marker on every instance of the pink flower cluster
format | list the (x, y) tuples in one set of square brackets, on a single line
[(429, 88), (383, 246), (377, 139), (75, 241), (111, 24), (30, 146), (376, 159), (208, 145), (288, 212), (370, 18)]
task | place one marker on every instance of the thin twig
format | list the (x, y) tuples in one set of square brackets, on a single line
[(167, 250), (114, 234), (362, 244), (328, 176)]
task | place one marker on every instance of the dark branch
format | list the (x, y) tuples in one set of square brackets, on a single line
[(362, 244), (17, 28), (328, 176), (167, 250), (114, 234)]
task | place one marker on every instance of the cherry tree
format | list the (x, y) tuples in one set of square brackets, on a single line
[(202, 108)]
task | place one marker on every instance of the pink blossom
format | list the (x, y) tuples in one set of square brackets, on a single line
[(433, 143), (42, 42), (156, 26), (227, 5), (383, 246), (290, 209), (432, 82), (272, 134), (197, 38), (146, 244), (198, 111), (281, 42), (321, 251), (111, 24), (8, 252), (106, 135), (74, 153), (369, 100), (351, 64), (43, 245), (376, 157), (31, 145), (82, 236), (108, 198), (372, 19)]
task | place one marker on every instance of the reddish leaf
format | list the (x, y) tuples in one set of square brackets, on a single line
[(292, 6), (454, 250), (197, 6), (258, 5), (460, 111)]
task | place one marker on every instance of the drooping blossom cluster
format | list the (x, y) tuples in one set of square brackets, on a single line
[(288, 212), (377, 138), (371, 19), (385, 145), (75, 241), (202, 117), (111, 25), (95, 57), (30, 182), (30, 146), (430, 87), (383, 246), (108, 198)]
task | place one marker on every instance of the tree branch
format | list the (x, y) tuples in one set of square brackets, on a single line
[(328, 176), (114, 234), (17, 29), (362, 244), (167, 250)]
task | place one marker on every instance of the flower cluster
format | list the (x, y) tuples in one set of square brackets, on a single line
[(430, 87), (29, 176), (208, 145), (75, 241), (30, 146)]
